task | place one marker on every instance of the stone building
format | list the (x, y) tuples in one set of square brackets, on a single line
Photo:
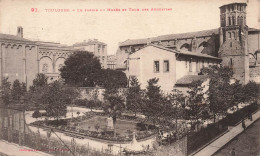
[(111, 62), (99, 49), (233, 43), (22, 59)]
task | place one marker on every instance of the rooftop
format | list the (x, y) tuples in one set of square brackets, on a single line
[(188, 79), (13, 38), (183, 52), (170, 37), (89, 42)]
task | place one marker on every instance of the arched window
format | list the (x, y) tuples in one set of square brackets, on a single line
[(45, 68), (234, 35), (229, 35), (233, 20), (229, 21), (185, 46), (238, 20)]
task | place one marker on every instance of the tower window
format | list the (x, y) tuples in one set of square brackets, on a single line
[(229, 35), (231, 63), (229, 21), (166, 67), (230, 44), (156, 66)]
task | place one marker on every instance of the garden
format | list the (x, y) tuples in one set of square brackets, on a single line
[(95, 125)]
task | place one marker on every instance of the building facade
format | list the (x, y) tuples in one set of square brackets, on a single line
[(23, 59), (111, 62), (170, 66), (233, 42), (99, 49)]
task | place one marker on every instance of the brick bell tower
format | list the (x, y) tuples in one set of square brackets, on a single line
[(233, 35)]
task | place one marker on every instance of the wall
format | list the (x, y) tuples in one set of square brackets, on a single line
[(144, 67), (19, 61)]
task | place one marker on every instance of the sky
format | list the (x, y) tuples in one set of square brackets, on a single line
[(112, 27)]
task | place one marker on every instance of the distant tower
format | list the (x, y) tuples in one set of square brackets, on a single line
[(20, 31), (233, 40)]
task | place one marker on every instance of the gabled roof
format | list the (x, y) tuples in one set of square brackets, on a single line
[(182, 52), (13, 38), (188, 79)]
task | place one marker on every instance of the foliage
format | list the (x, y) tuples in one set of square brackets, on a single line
[(18, 90), (250, 91), (134, 96), (114, 103), (40, 81), (196, 105), (219, 96), (108, 78), (80, 69), (6, 91), (36, 114), (154, 100), (38, 88), (55, 99)]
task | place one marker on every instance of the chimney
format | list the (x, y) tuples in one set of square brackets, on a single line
[(20, 31), (148, 41)]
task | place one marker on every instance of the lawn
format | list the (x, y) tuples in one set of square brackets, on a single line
[(122, 126), (246, 144)]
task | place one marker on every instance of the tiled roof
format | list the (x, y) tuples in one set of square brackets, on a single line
[(174, 36), (188, 79), (90, 42), (253, 29), (188, 35), (13, 37), (185, 52), (197, 54), (170, 37)]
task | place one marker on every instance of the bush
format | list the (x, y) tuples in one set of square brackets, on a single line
[(36, 114), (81, 102)]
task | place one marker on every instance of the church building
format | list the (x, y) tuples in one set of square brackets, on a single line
[(176, 59)]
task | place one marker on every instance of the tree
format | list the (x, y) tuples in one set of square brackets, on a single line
[(196, 103), (153, 100), (55, 99), (250, 92), (38, 88), (219, 89), (114, 104), (16, 90), (81, 69), (178, 102), (36, 114), (39, 81), (108, 78), (6, 91), (134, 96)]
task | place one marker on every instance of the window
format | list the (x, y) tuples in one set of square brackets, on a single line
[(229, 35), (197, 65), (231, 63), (156, 66), (166, 67), (202, 63), (45, 68), (230, 44), (190, 66)]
